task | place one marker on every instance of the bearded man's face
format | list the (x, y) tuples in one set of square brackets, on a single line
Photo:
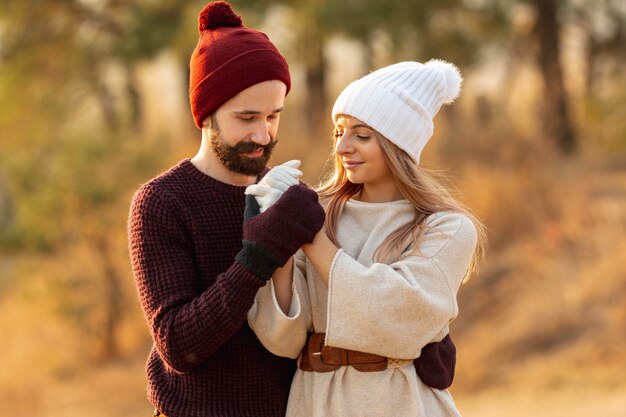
[(243, 157)]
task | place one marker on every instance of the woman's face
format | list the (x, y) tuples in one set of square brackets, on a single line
[(359, 152)]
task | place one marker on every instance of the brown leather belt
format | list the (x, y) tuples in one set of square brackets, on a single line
[(318, 357)]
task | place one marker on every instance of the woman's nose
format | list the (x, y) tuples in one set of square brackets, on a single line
[(343, 145)]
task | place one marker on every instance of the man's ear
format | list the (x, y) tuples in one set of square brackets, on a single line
[(209, 121)]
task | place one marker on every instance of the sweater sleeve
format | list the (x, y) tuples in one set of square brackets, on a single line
[(395, 310), (187, 325), (283, 335)]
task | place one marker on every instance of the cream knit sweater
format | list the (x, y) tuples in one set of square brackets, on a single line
[(391, 310)]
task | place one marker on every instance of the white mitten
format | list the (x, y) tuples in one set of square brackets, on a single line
[(275, 183)]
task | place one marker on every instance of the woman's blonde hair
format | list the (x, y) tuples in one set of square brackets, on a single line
[(422, 187)]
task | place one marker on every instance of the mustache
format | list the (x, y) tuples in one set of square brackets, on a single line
[(247, 147)]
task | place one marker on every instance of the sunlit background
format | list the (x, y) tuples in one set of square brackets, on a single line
[(93, 102)]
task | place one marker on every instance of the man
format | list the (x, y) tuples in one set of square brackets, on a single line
[(197, 263), (195, 278)]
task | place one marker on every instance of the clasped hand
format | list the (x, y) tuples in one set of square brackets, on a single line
[(275, 183)]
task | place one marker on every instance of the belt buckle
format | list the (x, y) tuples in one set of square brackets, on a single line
[(316, 354)]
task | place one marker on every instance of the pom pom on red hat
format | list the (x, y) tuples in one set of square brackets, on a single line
[(216, 15)]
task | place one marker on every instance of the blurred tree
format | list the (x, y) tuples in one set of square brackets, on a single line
[(604, 25), (312, 29), (535, 35), (446, 29), (71, 108), (556, 115), (64, 166)]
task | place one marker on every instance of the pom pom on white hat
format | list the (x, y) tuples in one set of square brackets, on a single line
[(401, 100)]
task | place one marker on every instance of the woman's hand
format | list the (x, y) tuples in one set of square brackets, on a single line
[(275, 183)]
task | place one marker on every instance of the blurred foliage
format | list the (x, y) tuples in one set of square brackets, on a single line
[(57, 163), (449, 28), (70, 154), (73, 146)]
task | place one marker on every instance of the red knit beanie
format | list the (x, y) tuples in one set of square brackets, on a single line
[(228, 59)]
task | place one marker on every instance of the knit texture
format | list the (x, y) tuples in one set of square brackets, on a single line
[(229, 58), (393, 310), (185, 229), (400, 101), (282, 229)]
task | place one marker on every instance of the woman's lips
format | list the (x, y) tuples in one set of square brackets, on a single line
[(351, 164)]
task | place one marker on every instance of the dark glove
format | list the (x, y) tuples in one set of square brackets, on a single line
[(437, 363), (271, 238)]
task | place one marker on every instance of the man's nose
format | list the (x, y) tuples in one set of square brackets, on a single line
[(261, 134)]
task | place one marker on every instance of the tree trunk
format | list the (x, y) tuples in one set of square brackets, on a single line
[(112, 301), (316, 116), (591, 55), (7, 207), (556, 116), (107, 105), (136, 113)]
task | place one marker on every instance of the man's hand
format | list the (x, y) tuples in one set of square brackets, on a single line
[(271, 238)]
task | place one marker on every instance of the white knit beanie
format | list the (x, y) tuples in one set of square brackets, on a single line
[(401, 100)]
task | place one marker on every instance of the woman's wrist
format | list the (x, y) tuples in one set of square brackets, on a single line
[(321, 253), (283, 281)]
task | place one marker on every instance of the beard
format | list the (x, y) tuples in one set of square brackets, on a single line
[(233, 158)]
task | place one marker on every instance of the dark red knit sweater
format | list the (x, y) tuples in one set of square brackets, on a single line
[(185, 229)]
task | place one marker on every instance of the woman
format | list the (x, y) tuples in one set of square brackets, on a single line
[(380, 282)]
